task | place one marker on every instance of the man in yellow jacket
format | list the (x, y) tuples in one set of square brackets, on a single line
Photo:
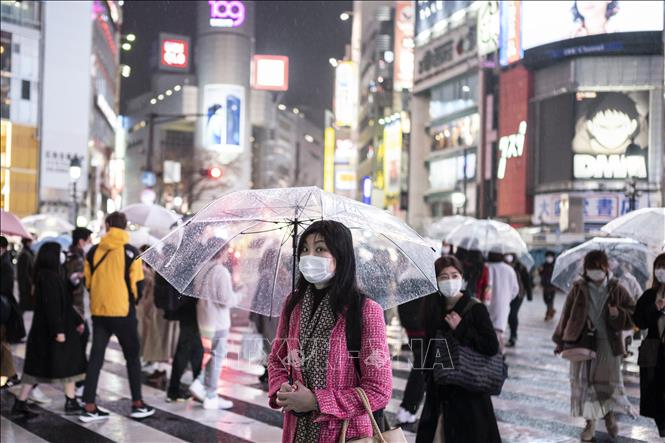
[(114, 277)]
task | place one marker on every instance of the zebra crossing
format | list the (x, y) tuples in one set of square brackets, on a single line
[(533, 407)]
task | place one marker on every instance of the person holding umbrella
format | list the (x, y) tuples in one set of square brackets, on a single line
[(594, 315), (326, 320), (650, 314)]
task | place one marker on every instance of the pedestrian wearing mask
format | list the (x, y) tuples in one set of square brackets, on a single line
[(599, 306), (549, 290), (24, 265), (505, 288), (525, 290), (452, 413), (53, 352), (650, 314), (311, 373)]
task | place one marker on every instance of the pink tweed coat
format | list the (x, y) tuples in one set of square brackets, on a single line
[(338, 401)]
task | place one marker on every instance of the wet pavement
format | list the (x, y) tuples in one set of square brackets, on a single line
[(533, 407)]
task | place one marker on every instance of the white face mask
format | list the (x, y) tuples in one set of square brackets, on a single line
[(549, 259), (86, 248), (509, 258), (316, 270), (450, 287), (596, 275), (660, 274), (445, 250), (63, 258)]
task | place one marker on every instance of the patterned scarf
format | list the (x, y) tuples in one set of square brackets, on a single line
[(314, 335)]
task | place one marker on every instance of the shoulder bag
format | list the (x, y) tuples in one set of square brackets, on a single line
[(584, 348), (393, 436)]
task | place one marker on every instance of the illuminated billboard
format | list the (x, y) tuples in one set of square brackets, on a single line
[(346, 92), (392, 157), (404, 44), (226, 14), (270, 72), (173, 52), (329, 160), (224, 109)]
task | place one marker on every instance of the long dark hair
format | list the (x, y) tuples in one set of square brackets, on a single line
[(659, 262), (47, 261), (345, 296), (432, 309)]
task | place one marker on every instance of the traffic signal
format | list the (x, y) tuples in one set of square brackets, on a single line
[(213, 173)]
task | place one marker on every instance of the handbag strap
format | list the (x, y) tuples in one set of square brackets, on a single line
[(375, 427)]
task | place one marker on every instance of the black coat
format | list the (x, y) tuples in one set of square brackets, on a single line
[(54, 313), (24, 277), (6, 275), (652, 380), (468, 416)]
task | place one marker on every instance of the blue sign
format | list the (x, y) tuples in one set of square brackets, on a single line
[(367, 189), (148, 178)]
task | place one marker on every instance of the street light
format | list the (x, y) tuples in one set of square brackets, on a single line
[(75, 174), (458, 200), (344, 16), (130, 37), (333, 62)]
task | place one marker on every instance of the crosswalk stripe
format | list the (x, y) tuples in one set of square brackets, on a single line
[(11, 432)]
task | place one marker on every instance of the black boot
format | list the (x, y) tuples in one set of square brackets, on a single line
[(21, 408), (72, 406)]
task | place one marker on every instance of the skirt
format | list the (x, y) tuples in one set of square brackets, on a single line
[(596, 386)]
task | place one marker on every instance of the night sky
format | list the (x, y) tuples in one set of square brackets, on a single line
[(308, 32)]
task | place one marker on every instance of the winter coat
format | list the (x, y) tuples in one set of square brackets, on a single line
[(24, 278), (214, 288), (74, 264), (45, 358), (576, 310), (111, 287), (652, 381), (546, 277), (6, 275), (338, 401), (468, 416), (505, 288)]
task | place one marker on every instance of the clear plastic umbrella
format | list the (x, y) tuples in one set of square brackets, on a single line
[(444, 226), (632, 256), (154, 217), (255, 233), (47, 225), (488, 236), (646, 225)]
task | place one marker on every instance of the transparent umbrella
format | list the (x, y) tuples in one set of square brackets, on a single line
[(154, 217), (255, 233), (444, 226), (47, 225), (488, 236), (632, 256), (646, 225)]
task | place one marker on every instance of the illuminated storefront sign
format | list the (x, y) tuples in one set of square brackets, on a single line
[(367, 190), (608, 166), (224, 109), (488, 27), (270, 73), (510, 146), (108, 112), (404, 44), (346, 92), (329, 160), (226, 14), (456, 46), (511, 32), (174, 52), (599, 207), (392, 157)]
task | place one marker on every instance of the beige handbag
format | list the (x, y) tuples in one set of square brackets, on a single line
[(393, 436)]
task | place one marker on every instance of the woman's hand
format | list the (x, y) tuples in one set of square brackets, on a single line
[(558, 350), (80, 328), (660, 304), (302, 399), (60, 338), (613, 310), (453, 320)]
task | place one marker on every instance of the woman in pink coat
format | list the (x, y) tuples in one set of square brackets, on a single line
[(312, 372)]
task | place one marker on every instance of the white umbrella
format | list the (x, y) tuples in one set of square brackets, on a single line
[(45, 225), (444, 226), (154, 217), (141, 237), (488, 236), (646, 225)]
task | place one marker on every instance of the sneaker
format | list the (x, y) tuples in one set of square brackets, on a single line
[(197, 390), (179, 397), (217, 403), (72, 406), (21, 408), (96, 415), (142, 411), (511, 343), (38, 396), (405, 417)]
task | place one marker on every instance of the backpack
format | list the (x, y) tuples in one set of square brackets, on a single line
[(131, 253), (167, 298)]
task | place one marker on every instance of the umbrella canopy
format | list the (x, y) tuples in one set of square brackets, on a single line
[(646, 225), (443, 227), (141, 237), (154, 217), (488, 236), (65, 242), (47, 225), (255, 233), (631, 256), (11, 225)]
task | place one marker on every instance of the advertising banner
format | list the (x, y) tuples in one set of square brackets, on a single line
[(488, 27), (599, 207), (329, 160), (611, 135), (404, 44), (346, 94), (173, 52), (455, 46), (224, 128), (511, 32), (392, 157)]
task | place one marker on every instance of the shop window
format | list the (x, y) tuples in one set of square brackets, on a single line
[(4, 100), (25, 89), (6, 51), (454, 96)]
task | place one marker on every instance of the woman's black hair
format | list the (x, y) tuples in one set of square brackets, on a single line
[(610, 11), (659, 262), (596, 259), (345, 296), (432, 307), (495, 257), (48, 260)]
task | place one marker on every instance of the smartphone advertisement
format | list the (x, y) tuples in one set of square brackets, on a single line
[(224, 109)]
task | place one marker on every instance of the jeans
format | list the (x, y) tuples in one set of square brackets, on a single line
[(189, 350), (214, 367), (125, 328), (415, 384), (513, 321)]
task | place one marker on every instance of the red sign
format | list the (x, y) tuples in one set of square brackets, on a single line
[(174, 53), (270, 72)]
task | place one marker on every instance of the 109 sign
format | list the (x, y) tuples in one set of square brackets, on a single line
[(226, 14)]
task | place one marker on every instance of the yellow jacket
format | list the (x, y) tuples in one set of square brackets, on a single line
[(109, 296)]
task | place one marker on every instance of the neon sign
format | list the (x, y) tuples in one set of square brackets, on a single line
[(175, 53), (511, 146), (226, 14)]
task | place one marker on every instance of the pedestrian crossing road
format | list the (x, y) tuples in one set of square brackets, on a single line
[(533, 407)]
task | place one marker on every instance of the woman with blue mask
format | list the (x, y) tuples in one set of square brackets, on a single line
[(452, 413), (599, 306)]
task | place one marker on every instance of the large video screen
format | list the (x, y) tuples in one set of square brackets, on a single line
[(545, 22)]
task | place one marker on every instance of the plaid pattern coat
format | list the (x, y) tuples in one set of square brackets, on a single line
[(338, 400)]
